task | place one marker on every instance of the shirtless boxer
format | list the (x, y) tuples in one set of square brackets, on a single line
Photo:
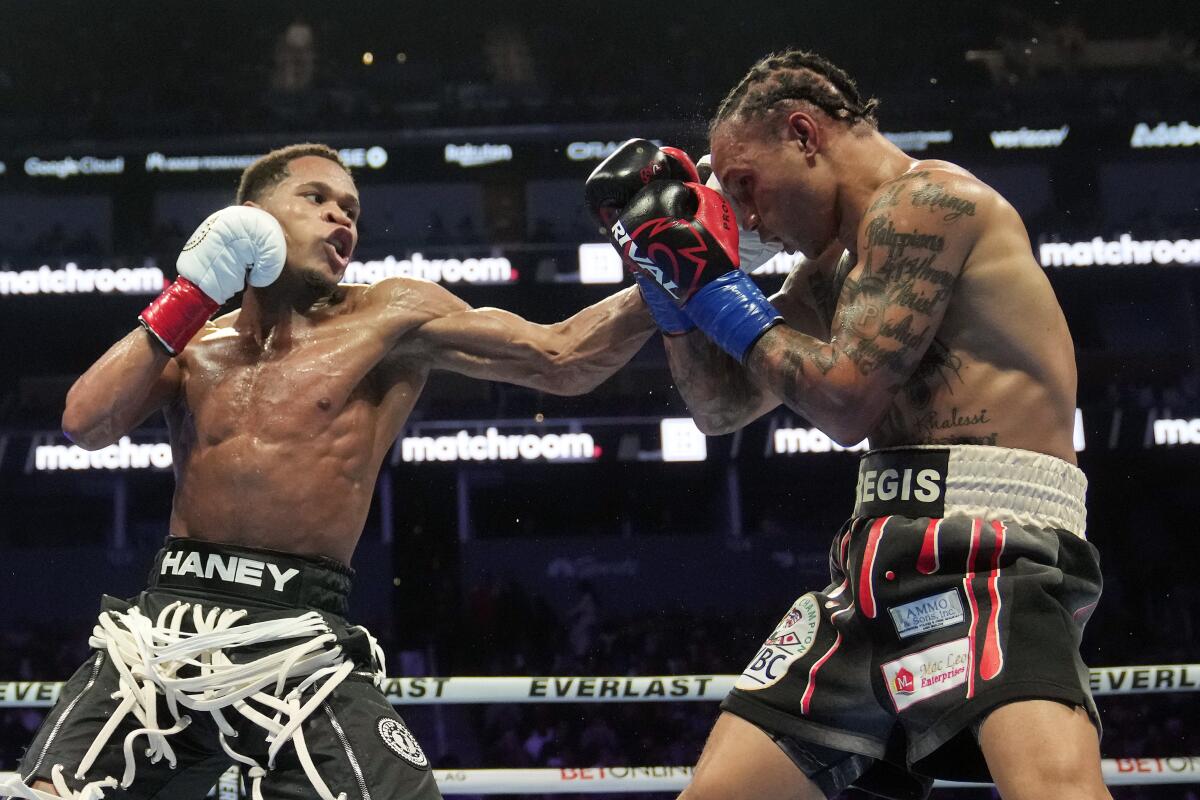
[(947, 643), (280, 416)]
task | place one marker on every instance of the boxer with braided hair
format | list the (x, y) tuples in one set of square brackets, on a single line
[(946, 643)]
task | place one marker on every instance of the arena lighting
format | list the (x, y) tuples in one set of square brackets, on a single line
[(1029, 138), (71, 279), (368, 58), (596, 151), (373, 157), (1171, 432), (792, 441), (463, 445), (477, 155), (479, 271), (68, 167), (123, 455), (682, 440), (918, 141), (599, 263), (1182, 134), (3, 168), (1125, 251)]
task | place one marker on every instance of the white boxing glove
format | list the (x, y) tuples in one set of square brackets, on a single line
[(233, 243), (752, 251)]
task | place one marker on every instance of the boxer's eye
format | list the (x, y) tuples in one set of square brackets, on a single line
[(316, 197)]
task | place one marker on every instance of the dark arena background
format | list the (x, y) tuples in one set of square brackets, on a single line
[(520, 534)]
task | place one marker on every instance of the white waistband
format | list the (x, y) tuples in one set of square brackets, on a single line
[(993, 483)]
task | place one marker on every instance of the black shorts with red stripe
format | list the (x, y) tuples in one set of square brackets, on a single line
[(962, 583)]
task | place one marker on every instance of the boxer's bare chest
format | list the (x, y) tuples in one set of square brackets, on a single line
[(939, 402), (299, 382)]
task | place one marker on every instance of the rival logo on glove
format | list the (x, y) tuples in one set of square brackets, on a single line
[(643, 262)]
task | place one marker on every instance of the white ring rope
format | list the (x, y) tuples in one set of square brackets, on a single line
[(592, 780), (1157, 678)]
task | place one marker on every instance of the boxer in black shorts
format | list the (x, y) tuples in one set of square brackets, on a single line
[(353, 734), (933, 617), (947, 645), (280, 415)]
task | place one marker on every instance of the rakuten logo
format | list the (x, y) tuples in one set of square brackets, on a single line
[(495, 446), (1029, 138), (439, 270), (73, 280), (122, 455), (1176, 431), (477, 155), (1164, 135), (1123, 252)]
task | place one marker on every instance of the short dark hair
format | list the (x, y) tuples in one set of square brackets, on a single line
[(266, 172), (799, 76)]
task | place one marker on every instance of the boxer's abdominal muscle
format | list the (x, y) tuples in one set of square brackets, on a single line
[(280, 446)]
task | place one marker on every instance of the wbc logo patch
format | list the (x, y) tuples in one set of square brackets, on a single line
[(791, 639), (401, 742)]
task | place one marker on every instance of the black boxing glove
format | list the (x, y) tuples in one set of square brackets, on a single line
[(629, 169), (684, 237), (614, 182)]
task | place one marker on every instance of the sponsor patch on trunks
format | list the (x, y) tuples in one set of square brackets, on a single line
[(791, 639), (928, 614), (401, 742), (919, 676)]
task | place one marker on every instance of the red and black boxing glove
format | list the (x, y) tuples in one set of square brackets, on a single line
[(630, 168), (615, 182), (684, 237)]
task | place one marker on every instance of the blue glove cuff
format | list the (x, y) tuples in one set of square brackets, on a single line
[(670, 318), (734, 313)]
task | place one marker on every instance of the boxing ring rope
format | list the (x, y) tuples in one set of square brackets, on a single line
[(1105, 681)]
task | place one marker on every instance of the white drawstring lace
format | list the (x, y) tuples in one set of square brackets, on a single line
[(149, 655)]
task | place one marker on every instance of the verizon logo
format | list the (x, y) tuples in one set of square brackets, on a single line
[(1029, 138)]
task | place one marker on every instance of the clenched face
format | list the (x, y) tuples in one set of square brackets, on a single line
[(778, 189), (317, 207)]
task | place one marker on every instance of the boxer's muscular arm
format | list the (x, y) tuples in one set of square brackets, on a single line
[(569, 357), (128, 383), (912, 244), (720, 393)]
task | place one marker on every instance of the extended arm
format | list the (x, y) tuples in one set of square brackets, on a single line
[(127, 384), (911, 249), (569, 357)]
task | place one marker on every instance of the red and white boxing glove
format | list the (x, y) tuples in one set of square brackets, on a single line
[(235, 244)]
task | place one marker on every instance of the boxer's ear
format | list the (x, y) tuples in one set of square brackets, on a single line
[(803, 128)]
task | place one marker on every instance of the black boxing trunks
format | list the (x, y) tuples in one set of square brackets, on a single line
[(962, 582), (232, 656)]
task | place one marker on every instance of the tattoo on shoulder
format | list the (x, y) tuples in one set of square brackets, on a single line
[(935, 197)]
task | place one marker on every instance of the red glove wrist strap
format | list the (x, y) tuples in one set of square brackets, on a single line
[(176, 315)]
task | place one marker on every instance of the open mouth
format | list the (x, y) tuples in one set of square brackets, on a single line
[(341, 244)]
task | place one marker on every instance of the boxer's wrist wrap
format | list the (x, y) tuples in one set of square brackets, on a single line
[(670, 318), (176, 315), (734, 313)]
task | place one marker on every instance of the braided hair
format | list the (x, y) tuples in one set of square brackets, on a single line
[(796, 75)]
